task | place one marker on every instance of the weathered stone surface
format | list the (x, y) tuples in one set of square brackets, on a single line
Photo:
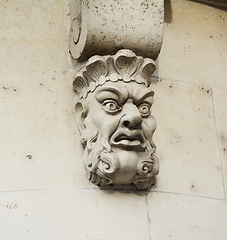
[(115, 121), (103, 27), (44, 193)]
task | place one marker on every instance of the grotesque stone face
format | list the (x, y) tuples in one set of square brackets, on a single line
[(116, 127), (117, 134)]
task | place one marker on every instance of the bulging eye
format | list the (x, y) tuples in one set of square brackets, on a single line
[(144, 109), (111, 106)]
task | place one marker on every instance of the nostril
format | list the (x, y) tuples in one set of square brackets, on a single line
[(126, 123)]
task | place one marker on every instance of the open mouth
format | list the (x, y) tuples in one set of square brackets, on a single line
[(131, 140)]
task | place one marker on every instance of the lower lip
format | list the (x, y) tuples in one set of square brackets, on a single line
[(129, 144)]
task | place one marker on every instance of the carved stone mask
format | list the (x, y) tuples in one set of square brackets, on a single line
[(115, 121)]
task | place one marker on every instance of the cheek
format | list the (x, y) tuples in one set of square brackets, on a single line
[(148, 127), (102, 121)]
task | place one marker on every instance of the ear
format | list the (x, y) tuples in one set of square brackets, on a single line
[(81, 109)]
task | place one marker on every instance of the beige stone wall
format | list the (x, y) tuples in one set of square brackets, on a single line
[(44, 193)]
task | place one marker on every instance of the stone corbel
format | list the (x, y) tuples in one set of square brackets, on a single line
[(103, 27), (122, 39)]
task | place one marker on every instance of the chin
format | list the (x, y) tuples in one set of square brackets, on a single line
[(128, 161)]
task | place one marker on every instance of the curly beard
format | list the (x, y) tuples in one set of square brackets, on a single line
[(103, 164)]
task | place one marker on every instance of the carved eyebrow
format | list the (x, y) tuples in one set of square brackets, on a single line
[(111, 92), (148, 97)]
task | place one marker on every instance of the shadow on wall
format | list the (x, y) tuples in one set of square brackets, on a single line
[(168, 11), (219, 4), (155, 76)]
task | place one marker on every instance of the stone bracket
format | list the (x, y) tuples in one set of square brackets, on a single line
[(104, 27)]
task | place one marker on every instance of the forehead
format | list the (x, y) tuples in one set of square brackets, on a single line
[(132, 90)]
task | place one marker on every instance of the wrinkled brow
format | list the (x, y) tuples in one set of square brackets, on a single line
[(143, 97), (121, 94)]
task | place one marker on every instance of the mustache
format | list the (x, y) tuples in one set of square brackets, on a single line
[(127, 138)]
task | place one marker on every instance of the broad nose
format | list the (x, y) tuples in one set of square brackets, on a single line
[(132, 118)]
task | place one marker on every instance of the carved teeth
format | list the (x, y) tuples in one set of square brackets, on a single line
[(129, 138)]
